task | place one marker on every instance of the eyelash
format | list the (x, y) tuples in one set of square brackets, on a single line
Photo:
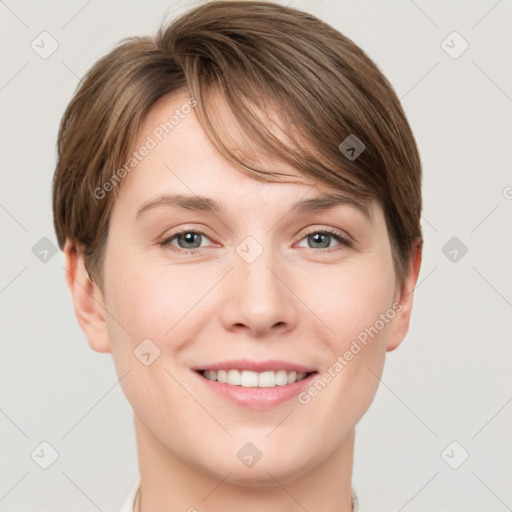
[(336, 234)]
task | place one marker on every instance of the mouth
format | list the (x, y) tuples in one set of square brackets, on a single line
[(256, 385), (251, 379)]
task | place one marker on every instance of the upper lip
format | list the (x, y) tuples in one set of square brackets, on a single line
[(256, 366)]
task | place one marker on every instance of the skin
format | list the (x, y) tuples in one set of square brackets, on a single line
[(296, 302)]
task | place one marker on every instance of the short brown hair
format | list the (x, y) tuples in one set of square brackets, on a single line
[(249, 55)]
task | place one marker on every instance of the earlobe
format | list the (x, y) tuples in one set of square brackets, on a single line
[(87, 299), (400, 324)]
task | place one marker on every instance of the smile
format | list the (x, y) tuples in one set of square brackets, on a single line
[(255, 385), (250, 379)]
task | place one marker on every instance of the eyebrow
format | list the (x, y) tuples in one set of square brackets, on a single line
[(208, 205)]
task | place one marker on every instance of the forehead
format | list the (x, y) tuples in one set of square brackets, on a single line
[(182, 168), (171, 145)]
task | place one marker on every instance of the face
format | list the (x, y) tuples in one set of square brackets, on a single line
[(291, 306)]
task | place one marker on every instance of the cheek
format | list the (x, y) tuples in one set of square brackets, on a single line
[(351, 300), (145, 303), (149, 299), (357, 305)]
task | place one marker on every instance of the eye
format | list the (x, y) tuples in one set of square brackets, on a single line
[(189, 241), (321, 239)]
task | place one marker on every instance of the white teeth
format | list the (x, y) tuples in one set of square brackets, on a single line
[(281, 377), (267, 379), (249, 379), (233, 377)]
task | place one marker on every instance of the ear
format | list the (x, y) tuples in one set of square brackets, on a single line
[(404, 295), (87, 298)]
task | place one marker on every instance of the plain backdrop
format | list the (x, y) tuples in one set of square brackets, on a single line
[(438, 435)]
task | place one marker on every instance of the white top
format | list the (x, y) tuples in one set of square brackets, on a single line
[(130, 501)]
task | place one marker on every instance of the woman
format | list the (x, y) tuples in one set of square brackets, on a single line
[(239, 203)]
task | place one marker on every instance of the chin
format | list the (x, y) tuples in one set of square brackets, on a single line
[(249, 466), (263, 474)]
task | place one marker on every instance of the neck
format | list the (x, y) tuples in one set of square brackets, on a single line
[(171, 483)]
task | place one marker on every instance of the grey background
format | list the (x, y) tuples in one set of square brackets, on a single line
[(449, 381)]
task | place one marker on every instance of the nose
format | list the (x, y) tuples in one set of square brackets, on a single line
[(258, 297)]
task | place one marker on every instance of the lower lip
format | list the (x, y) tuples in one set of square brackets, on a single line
[(257, 398)]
